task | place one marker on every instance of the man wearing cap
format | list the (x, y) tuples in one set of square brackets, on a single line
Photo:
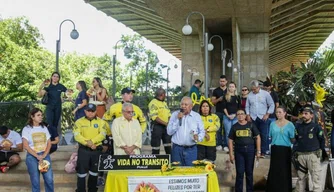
[(159, 114), (89, 132), (116, 109), (310, 142), (127, 132)]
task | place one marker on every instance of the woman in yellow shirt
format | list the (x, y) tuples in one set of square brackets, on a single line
[(207, 148)]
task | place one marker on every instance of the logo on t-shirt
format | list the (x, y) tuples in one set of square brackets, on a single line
[(210, 120), (96, 125), (244, 133)]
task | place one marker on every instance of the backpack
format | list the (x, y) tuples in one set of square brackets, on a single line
[(72, 163)]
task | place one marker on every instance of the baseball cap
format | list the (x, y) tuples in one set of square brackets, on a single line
[(127, 90), (90, 107), (308, 109)]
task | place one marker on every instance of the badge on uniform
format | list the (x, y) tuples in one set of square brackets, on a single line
[(210, 120), (96, 125), (310, 135)]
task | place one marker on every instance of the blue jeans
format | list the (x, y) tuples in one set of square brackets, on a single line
[(32, 165), (184, 155), (244, 163), (227, 126), (219, 136), (263, 127)]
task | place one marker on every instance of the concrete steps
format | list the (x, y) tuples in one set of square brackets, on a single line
[(17, 179)]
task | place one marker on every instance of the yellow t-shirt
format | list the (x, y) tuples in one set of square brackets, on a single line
[(211, 126), (115, 111), (159, 109)]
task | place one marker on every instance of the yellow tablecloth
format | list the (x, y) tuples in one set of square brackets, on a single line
[(117, 180)]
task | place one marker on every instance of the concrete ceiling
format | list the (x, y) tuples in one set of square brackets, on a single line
[(296, 27), (161, 21)]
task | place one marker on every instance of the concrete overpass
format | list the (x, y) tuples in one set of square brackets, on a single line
[(265, 36)]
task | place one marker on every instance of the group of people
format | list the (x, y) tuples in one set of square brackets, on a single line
[(244, 126), (254, 125)]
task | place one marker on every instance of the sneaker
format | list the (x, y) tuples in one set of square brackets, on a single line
[(226, 149), (218, 148), (100, 181)]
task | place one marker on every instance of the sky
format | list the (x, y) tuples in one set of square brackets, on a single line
[(98, 33)]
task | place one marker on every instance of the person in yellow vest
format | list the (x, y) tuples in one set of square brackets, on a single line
[(159, 114), (207, 148), (116, 109), (89, 132)]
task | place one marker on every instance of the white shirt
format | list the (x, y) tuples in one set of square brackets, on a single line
[(13, 137), (37, 137), (191, 124)]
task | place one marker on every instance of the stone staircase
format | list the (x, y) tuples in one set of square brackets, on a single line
[(17, 179)]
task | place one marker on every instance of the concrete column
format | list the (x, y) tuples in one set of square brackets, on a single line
[(254, 56), (192, 57)]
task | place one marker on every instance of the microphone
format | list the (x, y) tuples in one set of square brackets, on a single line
[(180, 120)]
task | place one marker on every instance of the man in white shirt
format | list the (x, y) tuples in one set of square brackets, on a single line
[(10, 144), (127, 133)]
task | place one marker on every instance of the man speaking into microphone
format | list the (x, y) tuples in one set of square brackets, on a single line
[(186, 128)]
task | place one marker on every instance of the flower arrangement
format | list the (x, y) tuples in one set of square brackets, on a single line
[(198, 167)]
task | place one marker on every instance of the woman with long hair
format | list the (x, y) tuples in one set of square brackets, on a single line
[(81, 101), (244, 138), (282, 133), (231, 105), (244, 94), (53, 89), (101, 96), (207, 148), (36, 141)]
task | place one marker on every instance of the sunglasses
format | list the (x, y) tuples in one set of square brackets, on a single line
[(244, 89), (129, 112)]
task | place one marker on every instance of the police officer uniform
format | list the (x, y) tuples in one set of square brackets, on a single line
[(116, 111), (310, 142), (159, 108), (95, 131)]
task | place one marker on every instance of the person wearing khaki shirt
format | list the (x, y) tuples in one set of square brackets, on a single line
[(127, 133)]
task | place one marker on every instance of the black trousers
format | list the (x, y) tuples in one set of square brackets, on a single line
[(206, 152), (159, 132), (87, 163)]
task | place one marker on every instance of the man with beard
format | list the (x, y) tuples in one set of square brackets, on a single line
[(310, 142)]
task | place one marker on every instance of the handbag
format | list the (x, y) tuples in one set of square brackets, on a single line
[(45, 99)]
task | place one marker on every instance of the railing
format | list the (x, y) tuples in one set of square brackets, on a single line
[(15, 114)]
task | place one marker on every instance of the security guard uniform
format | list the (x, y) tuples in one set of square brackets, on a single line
[(310, 142), (84, 130), (159, 108), (207, 148), (116, 111)]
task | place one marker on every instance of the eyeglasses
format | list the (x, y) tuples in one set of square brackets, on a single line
[(244, 89), (240, 113), (129, 112)]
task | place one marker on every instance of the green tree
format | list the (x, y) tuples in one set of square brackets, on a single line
[(140, 57)]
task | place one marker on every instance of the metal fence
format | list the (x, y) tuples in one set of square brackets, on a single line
[(15, 114)]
